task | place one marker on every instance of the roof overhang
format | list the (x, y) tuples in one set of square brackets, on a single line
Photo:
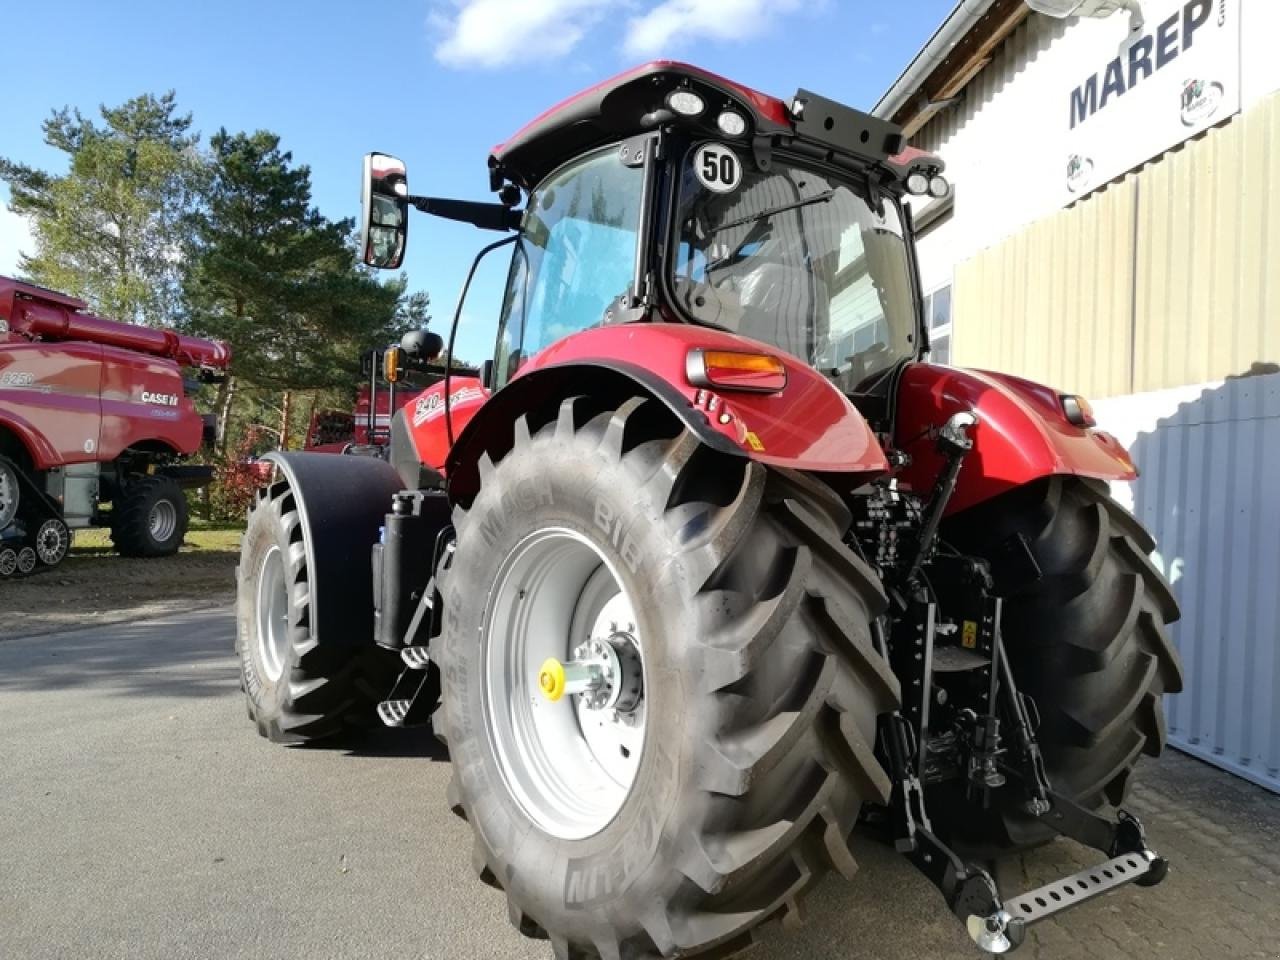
[(956, 53)]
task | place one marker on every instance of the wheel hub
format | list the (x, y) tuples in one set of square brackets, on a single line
[(606, 673)]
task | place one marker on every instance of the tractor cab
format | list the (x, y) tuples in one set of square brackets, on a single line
[(668, 194)]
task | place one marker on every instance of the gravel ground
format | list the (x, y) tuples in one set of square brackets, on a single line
[(95, 586), (142, 817)]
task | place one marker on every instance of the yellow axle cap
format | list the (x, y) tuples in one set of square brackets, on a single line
[(551, 679)]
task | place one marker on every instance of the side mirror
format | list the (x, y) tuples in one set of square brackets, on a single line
[(422, 344), (384, 211)]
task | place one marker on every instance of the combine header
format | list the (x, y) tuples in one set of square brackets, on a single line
[(95, 417)]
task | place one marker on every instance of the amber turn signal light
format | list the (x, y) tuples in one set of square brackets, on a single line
[(732, 370), (391, 364)]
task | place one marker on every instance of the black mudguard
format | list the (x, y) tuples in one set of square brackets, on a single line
[(342, 502)]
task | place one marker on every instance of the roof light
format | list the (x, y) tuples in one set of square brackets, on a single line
[(685, 102), (917, 184), (731, 370), (1078, 410), (731, 124), (391, 365), (939, 188)]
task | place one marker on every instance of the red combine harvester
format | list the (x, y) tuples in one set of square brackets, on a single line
[(94, 412), (711, 563), (396, 376)]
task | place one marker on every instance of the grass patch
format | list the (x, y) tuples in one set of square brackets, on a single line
[(202, 537)]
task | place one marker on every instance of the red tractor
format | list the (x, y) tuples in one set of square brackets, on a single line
[(710, 562), (94, 412)]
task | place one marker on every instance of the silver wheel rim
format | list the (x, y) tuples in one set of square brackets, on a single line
[(52, 542), (571, 763), (273, 614), (8, 495), (8, 561), (26, 560), (162, 520)]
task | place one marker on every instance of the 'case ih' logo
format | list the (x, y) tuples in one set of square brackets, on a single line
[(160, 399)]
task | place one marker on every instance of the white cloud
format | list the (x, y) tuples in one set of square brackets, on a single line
[(498, 33), (677, 23), (15, 237)]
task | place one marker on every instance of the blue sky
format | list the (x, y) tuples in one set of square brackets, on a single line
[(436, 82)]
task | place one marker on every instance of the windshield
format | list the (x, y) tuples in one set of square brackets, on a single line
[(799, 259), (575, 256)]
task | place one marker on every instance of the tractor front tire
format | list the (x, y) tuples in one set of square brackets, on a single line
[(761, 685), (299, 688), (1087, 641), (149, 518)]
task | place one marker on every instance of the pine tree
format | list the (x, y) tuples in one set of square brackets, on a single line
[(109, 229), (268, 273)]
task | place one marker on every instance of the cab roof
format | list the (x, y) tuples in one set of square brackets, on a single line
[(636, 100)]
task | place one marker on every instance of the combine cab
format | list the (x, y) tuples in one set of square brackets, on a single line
[(94, 414), (711, 562)]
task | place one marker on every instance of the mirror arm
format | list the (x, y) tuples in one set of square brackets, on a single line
[(486, 216)]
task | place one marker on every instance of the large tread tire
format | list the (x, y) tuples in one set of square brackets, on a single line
[(1088, 641), (760, 745), (131, 532), (325, 689)]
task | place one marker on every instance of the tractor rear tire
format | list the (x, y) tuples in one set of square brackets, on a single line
[(1087, 641), (762, 687), (149, 519), (299, 688)]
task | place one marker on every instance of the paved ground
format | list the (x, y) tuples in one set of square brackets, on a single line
[(141, 817)]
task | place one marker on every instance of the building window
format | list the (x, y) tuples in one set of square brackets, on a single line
[(937, 310)]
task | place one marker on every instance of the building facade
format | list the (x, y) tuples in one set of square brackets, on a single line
[(1114, 231)]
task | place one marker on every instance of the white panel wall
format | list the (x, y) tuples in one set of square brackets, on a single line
[(1210, 492)]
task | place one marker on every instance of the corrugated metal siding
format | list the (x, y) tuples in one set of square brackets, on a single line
[(1053, 302), (1208, 295), (1166, 277), (1210, 460)]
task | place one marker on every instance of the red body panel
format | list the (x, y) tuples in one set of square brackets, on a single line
[(427, 425), (808, 425), (1022, 434)]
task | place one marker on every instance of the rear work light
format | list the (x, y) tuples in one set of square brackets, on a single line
[(686, 103), (731, 370), (1078, 410)]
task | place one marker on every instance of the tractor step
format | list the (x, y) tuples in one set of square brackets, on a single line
[(415, 658), (393, 712)]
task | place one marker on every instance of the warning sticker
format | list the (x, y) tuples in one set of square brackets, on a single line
[(969, 635)]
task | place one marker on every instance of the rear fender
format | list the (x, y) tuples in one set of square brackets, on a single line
[(342, 502), (42, 453), (808, 425), (1022, 434)]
